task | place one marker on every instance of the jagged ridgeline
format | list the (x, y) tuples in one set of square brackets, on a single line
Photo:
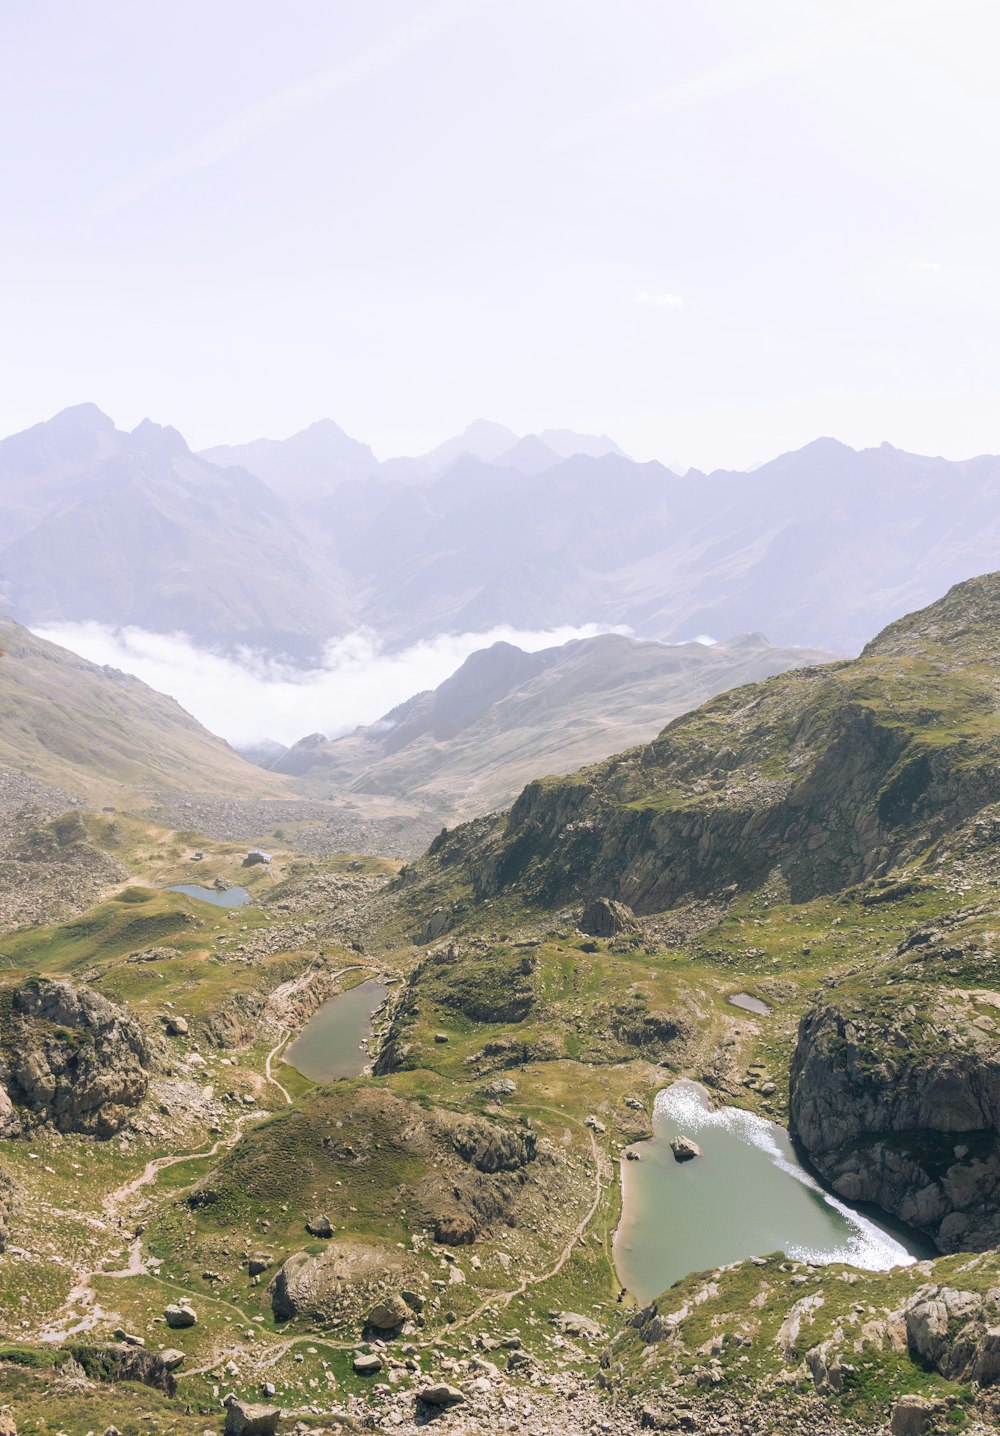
[(828, 775)]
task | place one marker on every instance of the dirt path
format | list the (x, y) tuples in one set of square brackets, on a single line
[(81, 1311), (285, 1034), (81, 1297)]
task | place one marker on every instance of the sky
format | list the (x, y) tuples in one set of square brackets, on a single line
[(714, 231)]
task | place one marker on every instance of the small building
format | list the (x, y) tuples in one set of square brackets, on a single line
[(254, 856)]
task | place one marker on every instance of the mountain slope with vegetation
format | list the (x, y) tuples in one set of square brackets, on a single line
[(98, 733), (449, 1217), (504, 716), (828, 775)]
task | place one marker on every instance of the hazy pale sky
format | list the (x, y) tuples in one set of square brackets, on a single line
[(714, 230)]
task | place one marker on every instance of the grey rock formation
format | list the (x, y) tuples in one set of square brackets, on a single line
[(72, 1058), (685, 1149), (912, 1129), (913, 1415), (441, 1394), (956, 1332), (389, 1313), (342, 1284)]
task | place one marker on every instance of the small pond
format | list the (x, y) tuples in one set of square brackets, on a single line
[(220, 897), (329, 1045), (747, 1196), (749, 1004)]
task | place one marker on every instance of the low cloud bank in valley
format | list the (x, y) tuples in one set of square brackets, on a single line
[(250, 696)]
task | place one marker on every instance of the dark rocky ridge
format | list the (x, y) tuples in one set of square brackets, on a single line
[(900, 1106)]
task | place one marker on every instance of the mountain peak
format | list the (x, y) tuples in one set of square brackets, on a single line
[(81, 419), (148, 437), (529, 455), (567, 443)]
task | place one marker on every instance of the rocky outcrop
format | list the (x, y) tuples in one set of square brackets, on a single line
[(124, 1363), (685, 1149), (490, 1148), (70, 1057), (897, 1102), (956, 1332), (603, 917)]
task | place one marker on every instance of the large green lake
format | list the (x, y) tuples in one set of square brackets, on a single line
[(747, 1196)]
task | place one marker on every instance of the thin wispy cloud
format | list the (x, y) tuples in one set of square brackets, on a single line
[(245, 125), (737, 73), (658, 299)]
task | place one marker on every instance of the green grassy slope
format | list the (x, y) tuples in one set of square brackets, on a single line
[(99, 733)]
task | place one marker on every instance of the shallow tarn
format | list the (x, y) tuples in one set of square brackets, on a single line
[(329, 1045), (219, 897), (747, 1196), (748, 1003)]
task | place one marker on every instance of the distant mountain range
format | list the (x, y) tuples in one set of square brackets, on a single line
[(315, 461), (507, 716), (286, 544)]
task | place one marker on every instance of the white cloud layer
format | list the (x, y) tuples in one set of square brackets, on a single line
[(253, 697)]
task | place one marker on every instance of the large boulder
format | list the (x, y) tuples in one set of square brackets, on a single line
[(389, 1313), (70, 1057), (913, 1415), (685, 1149), (340, 1285), (604, 917), (440, 1394), (246, 1418)]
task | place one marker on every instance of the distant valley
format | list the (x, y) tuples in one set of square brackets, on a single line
[(506, 716)]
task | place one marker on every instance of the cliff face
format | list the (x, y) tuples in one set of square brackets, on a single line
[(898, 1103), (831, 774)]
